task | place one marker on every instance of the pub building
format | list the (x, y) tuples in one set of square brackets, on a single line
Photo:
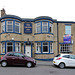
[(41, 38)]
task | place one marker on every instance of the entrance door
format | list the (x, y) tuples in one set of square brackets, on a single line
[(28, 50)]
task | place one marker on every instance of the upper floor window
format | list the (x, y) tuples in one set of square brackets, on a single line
[(67, 29), (44, 27), (9, 26), (3, 26), (17, 27), (38, 27), (50, 27)]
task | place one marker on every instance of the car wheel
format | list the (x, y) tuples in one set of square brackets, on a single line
[(4, 64), (29, 64), (61, 65)]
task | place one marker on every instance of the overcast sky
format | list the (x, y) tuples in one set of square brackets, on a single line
[(62, 10)]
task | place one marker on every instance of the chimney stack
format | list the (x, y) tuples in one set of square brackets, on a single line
[(2, 12)]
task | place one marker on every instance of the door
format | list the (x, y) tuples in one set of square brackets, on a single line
[(28, 51)]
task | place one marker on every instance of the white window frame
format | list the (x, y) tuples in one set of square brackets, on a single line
[(18, 46), (37, 46), (66, 46), (2, 48), (67, 29), (45, 45), (51, 45), (17, 25), (2, 24), (43, 26), (38, 26), (7, 26)]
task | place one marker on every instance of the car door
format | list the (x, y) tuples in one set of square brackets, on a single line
[(66, 59), (10, 58), (72, 60), (22, 59), (16, 58)]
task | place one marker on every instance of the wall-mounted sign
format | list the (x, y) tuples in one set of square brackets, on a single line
[(67, 39), (28, 28)]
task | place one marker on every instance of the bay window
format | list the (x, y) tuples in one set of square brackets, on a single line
[(44, 27), (10, 26), (44, 47)]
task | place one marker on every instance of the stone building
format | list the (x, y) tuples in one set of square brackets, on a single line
[(41, 38)]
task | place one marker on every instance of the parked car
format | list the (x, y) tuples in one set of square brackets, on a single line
[(15, 58), (64, 60)]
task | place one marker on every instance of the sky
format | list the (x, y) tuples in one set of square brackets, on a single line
[(62, 10)]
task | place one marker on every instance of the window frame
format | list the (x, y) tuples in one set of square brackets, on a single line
[(2, 48), (67, 48), (2, 24), (37, 47), (8, 25), (45, 45), (17, 25), (37, 26), (19, 46), (9, 45), (46, 26), (67, 29), (51, 45), (50, 25)]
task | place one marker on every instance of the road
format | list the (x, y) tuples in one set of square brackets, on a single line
[(40, 69)]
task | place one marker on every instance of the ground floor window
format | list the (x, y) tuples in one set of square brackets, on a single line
[(66, 48), (10, 46), (3, 48), (38, 47), (17, 47), (44, 47), (51, 47)]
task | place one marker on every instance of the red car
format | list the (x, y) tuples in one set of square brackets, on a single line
[(15, 58)]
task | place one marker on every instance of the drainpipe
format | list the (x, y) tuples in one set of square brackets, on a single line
[(57, 39)]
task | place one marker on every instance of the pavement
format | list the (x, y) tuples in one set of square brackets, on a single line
[(44, 62)]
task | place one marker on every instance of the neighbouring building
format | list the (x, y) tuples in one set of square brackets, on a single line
[(41, 38)]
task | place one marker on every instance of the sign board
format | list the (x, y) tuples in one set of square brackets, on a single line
[(67, 39), (28, 28)]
